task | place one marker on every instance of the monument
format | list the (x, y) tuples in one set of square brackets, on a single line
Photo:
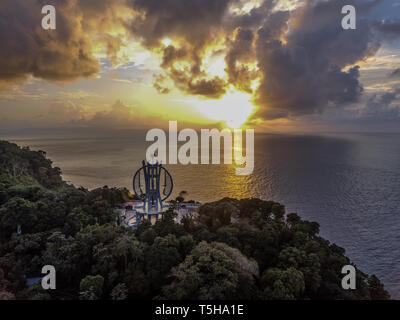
[(153, 184)]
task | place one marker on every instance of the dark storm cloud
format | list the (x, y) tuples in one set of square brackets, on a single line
[(304, 74), (211, 88), (304, 61), (197, 23), (193, 20), (99, 16), (395, 73), (27, 49), (240, 51), (64, 54), (172, 54), (189, 79), (159, 84), (381, 108), (254, 18), (389, 28)]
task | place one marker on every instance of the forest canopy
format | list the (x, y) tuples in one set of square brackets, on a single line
[(233, 249)]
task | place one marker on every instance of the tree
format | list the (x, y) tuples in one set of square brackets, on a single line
[(167, 225), (4, 294), (120, 292), (217, 214), (91, 288), (212, 272), (36, 292), (228, 235), (281, 284), (182, 195), (376, 289), (160, 257), (17, 211)]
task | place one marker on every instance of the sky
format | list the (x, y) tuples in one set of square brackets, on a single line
[(275, 66)]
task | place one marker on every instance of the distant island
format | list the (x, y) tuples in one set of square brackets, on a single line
[(231, 249)]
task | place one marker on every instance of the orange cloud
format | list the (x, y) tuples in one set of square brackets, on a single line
[(290, 72)]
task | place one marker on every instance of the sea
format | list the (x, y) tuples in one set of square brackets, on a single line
[(348, 183)]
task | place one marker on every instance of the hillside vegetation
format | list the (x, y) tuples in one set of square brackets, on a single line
[(233, 249)]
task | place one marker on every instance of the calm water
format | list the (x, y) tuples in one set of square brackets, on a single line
[(350, 184)]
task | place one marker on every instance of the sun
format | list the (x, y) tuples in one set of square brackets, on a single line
[(233, 109)]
